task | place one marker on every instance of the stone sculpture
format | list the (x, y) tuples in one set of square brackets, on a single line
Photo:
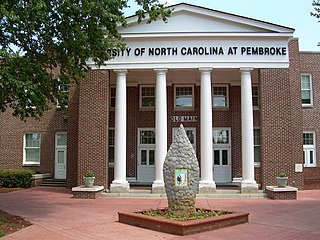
[(181, 176)]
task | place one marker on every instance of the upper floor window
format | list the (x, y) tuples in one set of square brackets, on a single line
[(306, 90), (112, 97), (220, 97), (184, 97), (31, 148), (309, 149), (64, 94), (255, 97), (147, 97)]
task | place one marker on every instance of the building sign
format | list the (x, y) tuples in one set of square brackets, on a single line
[(181, 178), (184, 118), (222, 52)]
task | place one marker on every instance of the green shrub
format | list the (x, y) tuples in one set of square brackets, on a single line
[(15, 178)]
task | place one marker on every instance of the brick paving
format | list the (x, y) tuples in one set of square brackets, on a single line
[(56, 215)]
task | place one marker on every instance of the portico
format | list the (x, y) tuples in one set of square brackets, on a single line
[(221, 51)]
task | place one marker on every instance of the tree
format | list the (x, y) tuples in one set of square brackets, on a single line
[(39, 37), (316, 5)]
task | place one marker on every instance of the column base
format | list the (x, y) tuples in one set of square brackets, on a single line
[(119, 187), (158, 187), (207, 187), (249, 187)]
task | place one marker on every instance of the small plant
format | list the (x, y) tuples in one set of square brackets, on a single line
[(282, 174), (89, 174)]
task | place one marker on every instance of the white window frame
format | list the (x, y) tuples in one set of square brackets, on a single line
[(140, 96), (227, 96), (222, 145), (256, 96), (111, 97), (145, 129), (307, 148), (65, 91), (25, 162), (175, 96), (257, 164), (111, 164), (310, 89), (174, 131)]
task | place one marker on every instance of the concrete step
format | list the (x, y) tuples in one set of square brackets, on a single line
[(218, 194), (54, 183)]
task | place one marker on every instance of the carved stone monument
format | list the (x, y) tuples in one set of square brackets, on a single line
[(181, 175)]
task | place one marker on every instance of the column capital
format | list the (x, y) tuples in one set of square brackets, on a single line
[(246, 69), (205, 69), (121, 71), (161, 70)]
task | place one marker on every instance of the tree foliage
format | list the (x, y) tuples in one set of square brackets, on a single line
[(39, 37), (316, 13)]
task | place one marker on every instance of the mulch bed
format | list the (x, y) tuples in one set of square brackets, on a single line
[(10, 223)]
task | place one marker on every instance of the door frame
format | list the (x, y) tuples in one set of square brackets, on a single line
[(59, 148), (223, 146), (143, 147)]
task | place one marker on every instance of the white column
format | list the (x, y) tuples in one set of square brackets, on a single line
[(248, 184), (207, 184), (161, 129), (120, 183)]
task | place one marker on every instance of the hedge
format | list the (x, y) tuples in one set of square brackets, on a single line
[(15, 178)]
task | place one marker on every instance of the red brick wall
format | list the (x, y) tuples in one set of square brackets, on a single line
[(12, 131), (310, 64), (93, 126), (281, 127)]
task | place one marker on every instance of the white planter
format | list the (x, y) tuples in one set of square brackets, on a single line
[(282, 181), (88, 181)]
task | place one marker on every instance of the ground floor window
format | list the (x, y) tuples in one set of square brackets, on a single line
[(31, 145), (191, 134), (256, 142), (309, 149), (111, 147)]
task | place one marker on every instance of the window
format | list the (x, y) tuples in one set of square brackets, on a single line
[(147, 137), (184, 97), (111, 146), (147, 97), (31, 152), (309, 149), (221, 136), (112, 97), (306, 90), (256, 143), (191, 134), (255, 97), (64, 94), (220, 97)]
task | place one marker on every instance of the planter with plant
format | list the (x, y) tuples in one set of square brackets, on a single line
[(282, 179), (89, 179)]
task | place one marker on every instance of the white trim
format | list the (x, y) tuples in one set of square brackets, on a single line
[(24, 149), (257, 164), (183, 108), (311, 91), (139, 132), (308, 148)]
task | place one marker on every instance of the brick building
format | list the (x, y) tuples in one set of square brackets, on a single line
[(248, 99)]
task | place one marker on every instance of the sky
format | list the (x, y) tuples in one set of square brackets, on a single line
[(289, 13)]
